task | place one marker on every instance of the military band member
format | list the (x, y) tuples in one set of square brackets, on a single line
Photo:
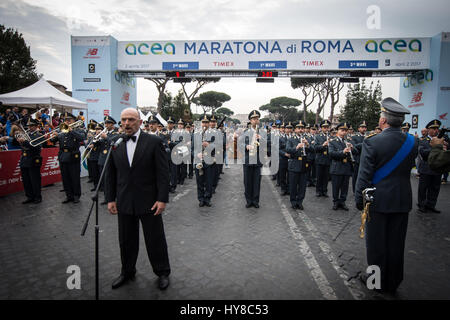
[(357, 141), (69, 157), (322, 159), (153, 124), (94, 155), (107, 138), (216, 174), (310, 170), (342, 154), (405, 127), (298, 147), (429, 180), (252, 171), (204, 173), (191, 164), (172, 166), (30, 164), (284, 157), (182, 167), (388, 213), (90, 135)]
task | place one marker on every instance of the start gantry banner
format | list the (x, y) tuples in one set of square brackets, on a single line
[(291, 55)]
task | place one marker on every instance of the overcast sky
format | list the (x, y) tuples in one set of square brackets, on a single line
[(48, 24)]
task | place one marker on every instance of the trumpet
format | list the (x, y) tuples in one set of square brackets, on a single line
[(94, 140), (349, 145), (63, 128)]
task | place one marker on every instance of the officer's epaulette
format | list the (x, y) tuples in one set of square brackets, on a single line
[(371, 135), (333, 139)]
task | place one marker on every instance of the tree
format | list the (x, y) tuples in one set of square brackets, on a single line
[(161, 87), (283, 108), (323, 92), (199, 83), (17, 68), (306, 86), (362, 104), (225, 111), (211, 100), (175, 107), (335, 89)]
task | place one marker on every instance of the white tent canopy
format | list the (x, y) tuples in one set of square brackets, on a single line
[(41, 92)]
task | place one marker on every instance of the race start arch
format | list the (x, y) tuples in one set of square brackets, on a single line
[(104, 70)]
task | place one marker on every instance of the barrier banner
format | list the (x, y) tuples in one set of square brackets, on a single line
[(11, 178)]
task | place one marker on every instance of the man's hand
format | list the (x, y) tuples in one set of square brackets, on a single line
[(325, 144), (112, 207), (435, 141), (159, 206)]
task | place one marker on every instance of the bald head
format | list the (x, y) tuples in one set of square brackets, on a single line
[(131, 121)]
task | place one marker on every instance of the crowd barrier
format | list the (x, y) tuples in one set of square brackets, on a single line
[(11, 178)]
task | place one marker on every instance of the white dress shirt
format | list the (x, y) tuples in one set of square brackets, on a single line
[(131, 147)]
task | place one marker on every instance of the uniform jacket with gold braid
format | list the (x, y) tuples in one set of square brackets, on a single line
[(69, 145), (297, 162), (341, 163), (104, 145), (31, 156), (322, 155)]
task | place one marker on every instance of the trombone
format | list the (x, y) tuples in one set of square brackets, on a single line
[(63, 128)]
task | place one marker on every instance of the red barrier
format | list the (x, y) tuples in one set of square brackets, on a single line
[(10, 177)]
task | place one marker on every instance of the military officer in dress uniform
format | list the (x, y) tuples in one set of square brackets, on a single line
[(357, 141), (182, 167), (405, 127), (107, 138), (388, 213), (252, 165), (172, 166), (218, 153), (69, 157), (204, 173), (191, 164), (284, 157), (310, 169), (322, 159), (298, 148), (94, 155), (30, 164), (342, 155), (429, 180)]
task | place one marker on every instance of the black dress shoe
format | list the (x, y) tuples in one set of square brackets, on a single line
[(27, 201), (300, 206), (190, 177), (277, 185), (201, 204), (121, 280), (104, 202), (318, 195), (256, 205), (207, 203), (62, 190), (335, 207), (434, 210), (182, 182), (324, 195), (76, 200), (343, 206), (93, 189), (285, 193), (294, 206), (423, 209), (67, 200), (248, 205), (163, 282), (37, 201)]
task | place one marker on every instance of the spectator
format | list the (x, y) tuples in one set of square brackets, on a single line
[(47, 129), (15, 112), (2, 118), (24, 116), (45, 117), (55, 120), (439, 158)]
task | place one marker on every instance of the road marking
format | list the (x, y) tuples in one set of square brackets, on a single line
[(326, 249), (316, 272)]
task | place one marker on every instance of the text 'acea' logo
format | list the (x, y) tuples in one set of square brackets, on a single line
[(145, 49), (400, 45)]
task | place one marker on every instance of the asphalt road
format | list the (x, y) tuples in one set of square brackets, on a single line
[(222, 252)]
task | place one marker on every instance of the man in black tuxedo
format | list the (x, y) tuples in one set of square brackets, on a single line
[(137, 188)]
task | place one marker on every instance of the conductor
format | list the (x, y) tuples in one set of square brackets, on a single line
[(137, 189)]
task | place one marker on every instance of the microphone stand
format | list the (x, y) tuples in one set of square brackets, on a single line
[(97, 227)]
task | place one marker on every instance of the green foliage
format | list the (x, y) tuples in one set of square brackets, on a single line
[(224, 111), (17, 68), (362, 104), (305, 82), (174, 106), (211, 100)]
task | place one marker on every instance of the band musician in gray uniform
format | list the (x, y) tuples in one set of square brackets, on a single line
[(386, 162)]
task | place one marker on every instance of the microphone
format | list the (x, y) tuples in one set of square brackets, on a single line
[(118, 141)]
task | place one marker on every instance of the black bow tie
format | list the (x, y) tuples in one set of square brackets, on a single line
[(130, 137)]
